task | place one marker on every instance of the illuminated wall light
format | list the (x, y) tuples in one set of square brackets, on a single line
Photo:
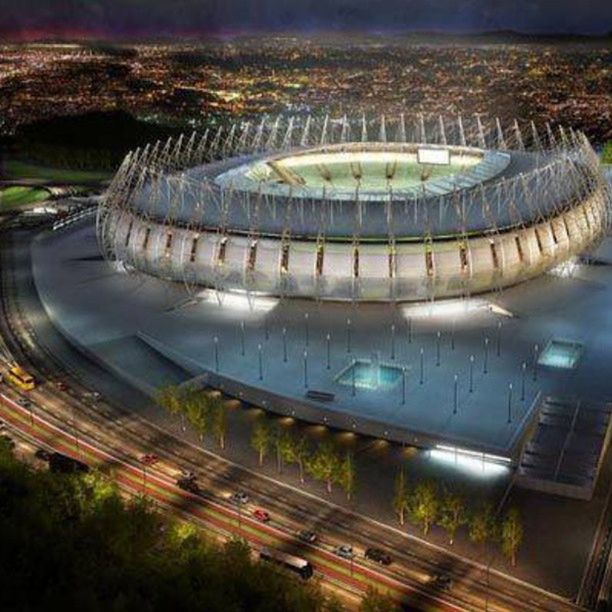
[(238, 301)]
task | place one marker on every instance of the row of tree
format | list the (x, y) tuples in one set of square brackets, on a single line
[(73, 542), (205, 412), (426, 504), (325, 463)]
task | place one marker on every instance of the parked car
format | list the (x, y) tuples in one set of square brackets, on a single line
[(22, 401), (378, 555), (61, 385), (240, 497), (307, 536), (261, 515), (345, 551)]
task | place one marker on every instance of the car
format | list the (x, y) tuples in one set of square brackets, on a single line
[(378, 555), (188, 484), (443, 582), (42, 454), (62, 386), (188, 475), (345, 551), (261, 515), (307, 536), (22, 401), (149, 459), (240, 497)]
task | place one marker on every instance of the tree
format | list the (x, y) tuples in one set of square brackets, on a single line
[(511, 534), (400, 498), (218, 418), (324, 464), (346, 475), (452, 514), (481, 527), (170, 398), (375, 601), (283, 443), (260, 440), (197, 412), (301, 454), (424, 504), (606, 157)]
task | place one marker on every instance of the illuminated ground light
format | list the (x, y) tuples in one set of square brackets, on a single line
[(471, 462), (238, 301)]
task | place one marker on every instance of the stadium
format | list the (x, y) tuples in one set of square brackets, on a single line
[(360, 209)]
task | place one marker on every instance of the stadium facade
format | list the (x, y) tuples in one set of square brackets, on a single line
[(384, 209)]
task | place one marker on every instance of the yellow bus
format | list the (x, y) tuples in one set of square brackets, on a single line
[(19, 378)]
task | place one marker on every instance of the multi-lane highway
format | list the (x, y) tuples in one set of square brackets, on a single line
[(104, 434)]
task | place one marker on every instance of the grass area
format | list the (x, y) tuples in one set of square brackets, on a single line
[(14, 197), (16, 169)]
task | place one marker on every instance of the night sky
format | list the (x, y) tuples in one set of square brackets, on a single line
[(28, 19)]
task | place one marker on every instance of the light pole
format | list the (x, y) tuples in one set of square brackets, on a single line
[(216, 342), (499, 326), (536, 349), (438, 349), (259, 354), (348, 336), (455, 401), (409, 330), (509, 403), (306, 328), (393, 342), (403, 386), (486, 355), (284, 344), (328, 341), (242, 338), (471, 373), (353, 377), (421, 366), (305, 368), (523, 370)]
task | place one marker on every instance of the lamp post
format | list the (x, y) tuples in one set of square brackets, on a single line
[(536, 350), (306, 328), (242, 338), (392, 342), (348, 336), (328, 342), (438, 349), (499, 326), (403, 386), (471, 373), (259, 355), (216, 342), (523, 371), (409, 330), (284, 344), (421, 366), (305, 368), (353, 377), (509, 403), (486, 356), (455, 401)]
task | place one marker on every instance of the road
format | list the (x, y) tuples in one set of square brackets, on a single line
[(104, 434)]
